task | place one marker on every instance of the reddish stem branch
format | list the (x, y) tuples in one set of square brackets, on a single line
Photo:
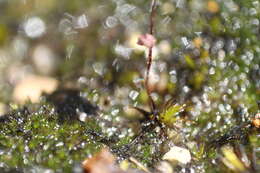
[(150, 54)]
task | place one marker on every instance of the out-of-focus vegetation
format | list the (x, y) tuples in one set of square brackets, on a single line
[(207, 57)]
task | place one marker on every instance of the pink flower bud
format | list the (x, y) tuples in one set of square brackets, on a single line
[(146, 40)]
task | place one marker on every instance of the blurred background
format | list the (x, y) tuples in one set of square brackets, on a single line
[(204, 49), (207, 56)]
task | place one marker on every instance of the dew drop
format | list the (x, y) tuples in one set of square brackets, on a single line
[(166, 20), (186, 89), (80, 22), (20, 47), (83, 116), (82, 80), (138, 80), (34, 27), (111, 21), (98, 68), (212, 71), (125, 9), (231, 46), (65, 26), (114, 112), (173, 72), (155, 96), (69, 51), (123, 51), (180, 3), (46, 147), (133, 94), (185, 42), (252, 11), (254, 22), (95, 97), (59, 144), (26, 149), (236, 24)]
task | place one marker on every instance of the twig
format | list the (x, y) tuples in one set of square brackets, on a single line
[(140, 165)]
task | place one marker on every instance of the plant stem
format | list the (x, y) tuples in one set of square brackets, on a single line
[(150, 54)]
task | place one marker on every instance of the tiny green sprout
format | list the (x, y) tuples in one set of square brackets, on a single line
[(169, 115), (199, 151)]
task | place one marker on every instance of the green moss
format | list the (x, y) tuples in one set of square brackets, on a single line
[(42, 140)]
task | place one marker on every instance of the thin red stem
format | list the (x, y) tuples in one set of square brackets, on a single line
[(150, 54)]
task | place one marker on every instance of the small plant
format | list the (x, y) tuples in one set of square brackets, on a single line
[(170, 110), (155, 117)]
